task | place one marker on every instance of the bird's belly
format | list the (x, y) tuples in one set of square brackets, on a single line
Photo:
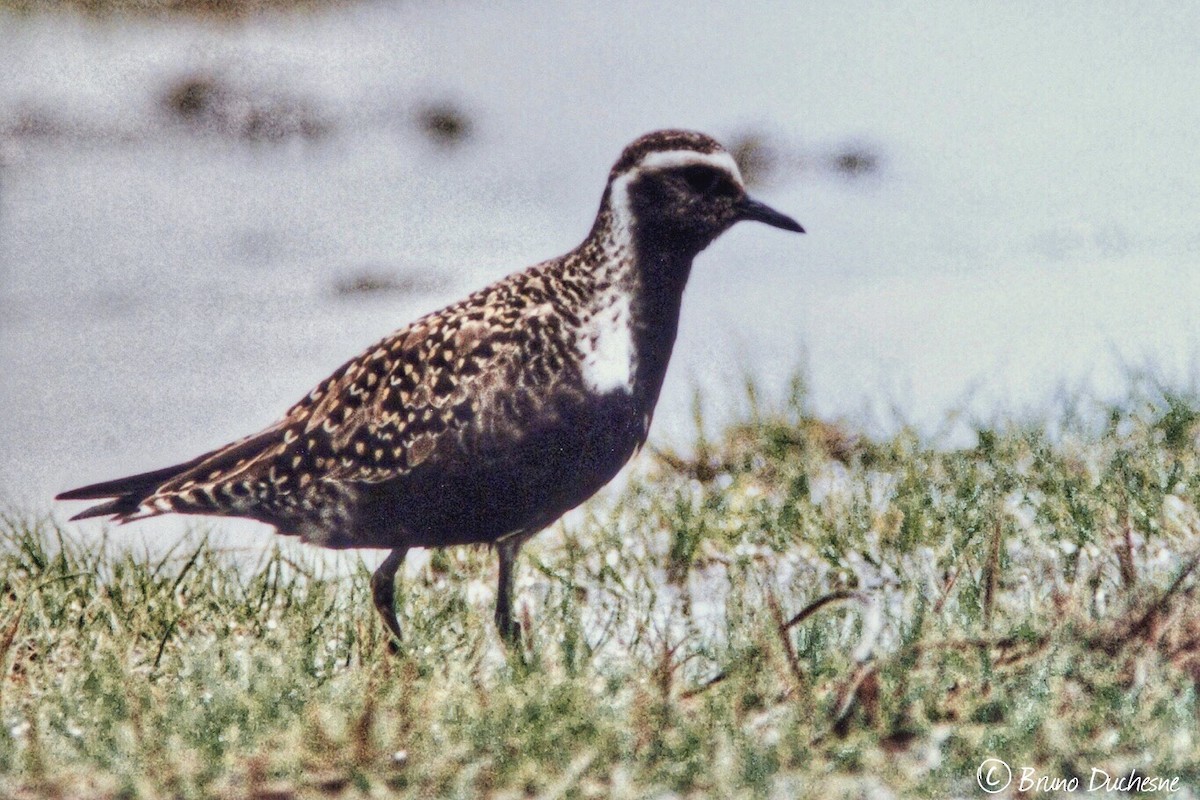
[(519, 484)]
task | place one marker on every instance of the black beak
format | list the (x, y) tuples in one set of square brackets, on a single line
[(754, 211)]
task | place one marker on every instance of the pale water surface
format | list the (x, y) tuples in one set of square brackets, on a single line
[(1035, 219)]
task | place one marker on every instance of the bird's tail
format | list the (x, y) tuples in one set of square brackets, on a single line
[(129, 494)]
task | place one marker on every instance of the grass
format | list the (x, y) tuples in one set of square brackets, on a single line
[(795, 609)]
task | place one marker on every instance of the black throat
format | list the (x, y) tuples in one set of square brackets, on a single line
[(663, 263)]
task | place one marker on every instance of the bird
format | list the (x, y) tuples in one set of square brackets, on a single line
[(487, 420)]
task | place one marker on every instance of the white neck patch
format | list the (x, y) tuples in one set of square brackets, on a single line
[(605, 342)]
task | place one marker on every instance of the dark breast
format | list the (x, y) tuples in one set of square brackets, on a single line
[(520, 481)]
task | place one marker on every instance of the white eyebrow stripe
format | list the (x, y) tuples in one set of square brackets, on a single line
[(665, 159), (622, 222)]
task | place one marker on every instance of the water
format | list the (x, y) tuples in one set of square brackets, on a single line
[(1033, 221)]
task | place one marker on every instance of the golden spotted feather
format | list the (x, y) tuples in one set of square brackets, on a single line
[(452, 385)]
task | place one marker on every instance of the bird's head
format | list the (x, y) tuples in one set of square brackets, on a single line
[(683, 188)]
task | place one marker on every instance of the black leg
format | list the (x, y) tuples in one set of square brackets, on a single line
[(510, 629), (383, 592)]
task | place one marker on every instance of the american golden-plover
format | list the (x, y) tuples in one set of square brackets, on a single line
[(486, 421)]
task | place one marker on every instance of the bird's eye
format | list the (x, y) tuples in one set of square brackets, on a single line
[(702, 180), (708, 181)]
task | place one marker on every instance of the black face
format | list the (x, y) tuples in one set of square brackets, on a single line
[(692, 204), (706, 181)]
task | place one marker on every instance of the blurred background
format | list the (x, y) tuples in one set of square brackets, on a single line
[(205, 209)]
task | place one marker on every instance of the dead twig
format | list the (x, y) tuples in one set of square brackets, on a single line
[(817, 605), (991, 572), (788, 650), (805, 613)]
